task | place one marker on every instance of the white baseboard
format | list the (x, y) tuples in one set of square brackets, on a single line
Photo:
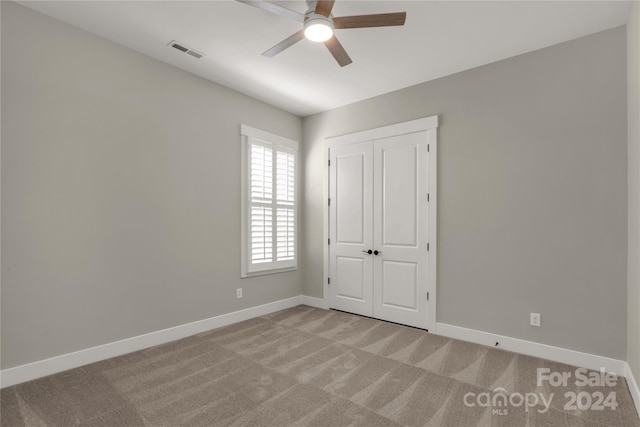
[(314, 302), (557, 354), (41, 368), (633, 386)]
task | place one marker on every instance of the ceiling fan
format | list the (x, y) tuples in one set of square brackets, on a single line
[(319, 24)]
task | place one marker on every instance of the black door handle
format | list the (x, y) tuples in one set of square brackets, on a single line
[(368, 252), (377, 252)]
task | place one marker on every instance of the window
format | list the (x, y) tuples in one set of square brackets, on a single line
[(269, 206)]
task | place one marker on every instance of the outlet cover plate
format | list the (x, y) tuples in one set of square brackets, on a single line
[(534, 319)]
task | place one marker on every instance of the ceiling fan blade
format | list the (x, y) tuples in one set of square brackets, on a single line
[(323, 7), (365, 21), (288, 42), (338, 51), (275, 8)]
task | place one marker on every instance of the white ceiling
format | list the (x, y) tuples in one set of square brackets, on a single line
[(438, 39)]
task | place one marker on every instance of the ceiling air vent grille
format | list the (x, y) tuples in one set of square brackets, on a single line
[(182, 48)]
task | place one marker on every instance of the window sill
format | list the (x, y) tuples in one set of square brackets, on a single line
[(265, 272)]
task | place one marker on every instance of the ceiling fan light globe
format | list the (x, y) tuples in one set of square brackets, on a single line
[(318, 30)]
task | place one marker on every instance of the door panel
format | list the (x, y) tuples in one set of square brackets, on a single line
[(350, 198), (399, 284), (400, 271), (399, 195), (351, 228), (349, 278)]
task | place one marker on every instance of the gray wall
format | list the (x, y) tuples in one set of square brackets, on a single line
[(633, 132), (120, 192), (532, 193), (0, 191)]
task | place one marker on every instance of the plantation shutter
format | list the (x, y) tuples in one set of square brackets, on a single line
[(285, 220), (261, 204), (271, 206)]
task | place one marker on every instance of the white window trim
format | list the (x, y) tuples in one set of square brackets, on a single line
[(249, 134)]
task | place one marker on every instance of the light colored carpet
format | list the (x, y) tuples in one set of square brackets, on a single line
[(304, 367)]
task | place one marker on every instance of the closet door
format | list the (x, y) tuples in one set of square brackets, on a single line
[(400, 269), (350, 224)]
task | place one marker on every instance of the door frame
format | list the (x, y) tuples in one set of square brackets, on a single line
[(428, 124)]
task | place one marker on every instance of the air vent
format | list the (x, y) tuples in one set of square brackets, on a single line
[(182, 48)]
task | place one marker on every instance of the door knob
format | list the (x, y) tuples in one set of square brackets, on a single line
[(369, 252), (377, 252)]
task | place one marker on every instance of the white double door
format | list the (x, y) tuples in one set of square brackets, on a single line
[(379, 228)]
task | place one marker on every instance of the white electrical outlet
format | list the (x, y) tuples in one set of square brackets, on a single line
[(239, 293), (534, 319)]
